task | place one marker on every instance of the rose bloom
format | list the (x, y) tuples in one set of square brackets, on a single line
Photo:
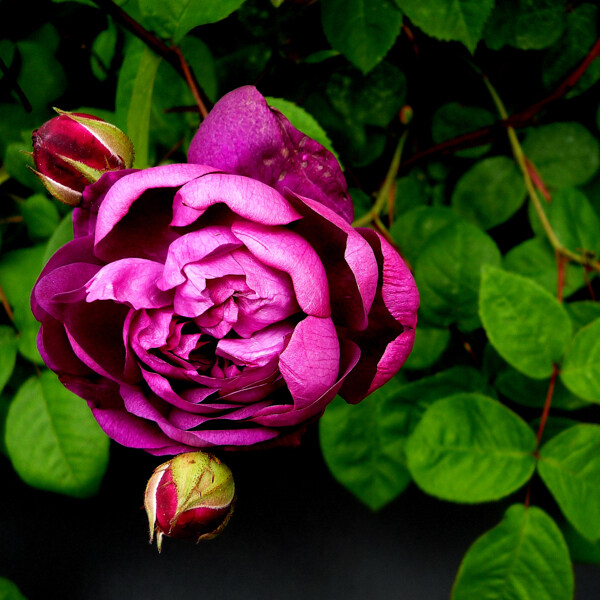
[(226, 301)]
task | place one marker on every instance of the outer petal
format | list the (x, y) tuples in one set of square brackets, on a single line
[(246, 197), (141, 197), (311, 361), (388, 341), (243, 135)]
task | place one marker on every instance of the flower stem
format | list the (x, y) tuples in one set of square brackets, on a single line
[(383, 196), (583, 259)]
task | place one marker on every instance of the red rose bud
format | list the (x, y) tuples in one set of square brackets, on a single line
[(190, 496), (73, 150)]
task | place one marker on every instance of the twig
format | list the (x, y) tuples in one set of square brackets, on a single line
[(517, 120), (171, 54)]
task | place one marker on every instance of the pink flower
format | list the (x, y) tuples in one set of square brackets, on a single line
[(224, 302)]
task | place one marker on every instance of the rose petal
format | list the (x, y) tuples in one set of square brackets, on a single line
[(246, 197), (387, 342), (243, 135), (129, 281), (311, 361), (289, 252), (349, 261)]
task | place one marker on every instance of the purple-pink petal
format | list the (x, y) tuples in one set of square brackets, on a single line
[(289, 252), (243, 135)]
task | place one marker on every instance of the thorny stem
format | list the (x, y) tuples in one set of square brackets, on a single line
[(6, 305), (171, 54), (517, 120), (192, 83), (383, 196), (543, 420), (583, 259)]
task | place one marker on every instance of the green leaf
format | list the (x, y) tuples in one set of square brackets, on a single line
[(447, 273), (469, 448), (490, 192), (573, 220), (18, 272), (454, 119), (363, 203), (9, 591), (532, 392), (41, 76), (411, 192), (362, 30), (417, 226), (40, 216), (581, 549), (8, 353), (134, 96), (363, 445), (536, 260), (62, 234), (528, 327), (175, 18), (53, 440), (580, 371), (582, 313), (568, 52), (430, 343), (525, 24), (460, 20), (302, 120), (565, 154), (569, 465), (525, 557), (103, 51), (200, 59)]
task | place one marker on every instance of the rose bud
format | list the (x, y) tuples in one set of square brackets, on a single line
[(73, 150), (189, 496)]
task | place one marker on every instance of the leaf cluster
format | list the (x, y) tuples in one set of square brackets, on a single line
[(492, 108)]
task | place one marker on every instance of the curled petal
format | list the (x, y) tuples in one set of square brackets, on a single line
[(131, 281), (387, 342), (243, 135), (246, 197), (289, 252)]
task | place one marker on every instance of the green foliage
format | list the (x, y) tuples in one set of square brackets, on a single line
[(368, 31), (506, 332), (9, 591), (470, 448), (364, 447), (461, 20), (528, 327), (525, 557), (53, 440), (490, 192), (570, 467)]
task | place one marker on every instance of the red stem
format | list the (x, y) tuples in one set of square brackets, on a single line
[(518, 120)]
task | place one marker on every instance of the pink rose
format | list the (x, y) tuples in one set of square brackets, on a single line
[(226, 301)]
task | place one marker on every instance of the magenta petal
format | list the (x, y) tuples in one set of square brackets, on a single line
[(131, 281), (311, 361), (387, 342), (246, 197), (128, 189), (289, 252), (257, 350), (243, 135), (349, 261), (193, 247)]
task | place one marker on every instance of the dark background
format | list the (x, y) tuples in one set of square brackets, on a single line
[(296, 533)]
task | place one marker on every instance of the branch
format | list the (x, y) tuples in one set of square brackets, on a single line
[(171, 54), (517, 120)]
